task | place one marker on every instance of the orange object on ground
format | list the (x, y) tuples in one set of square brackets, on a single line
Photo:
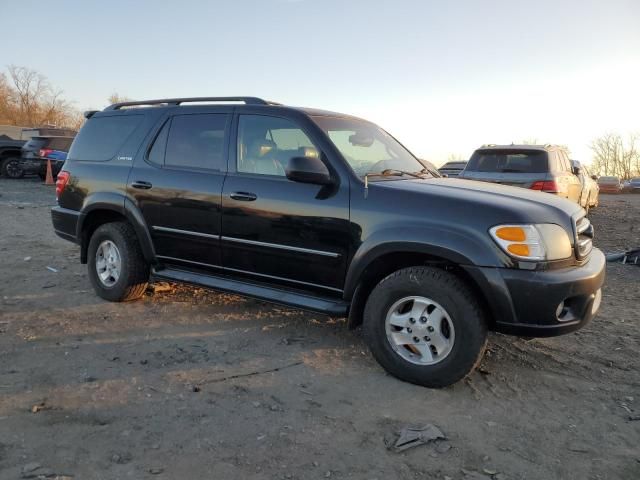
[(49, 178)]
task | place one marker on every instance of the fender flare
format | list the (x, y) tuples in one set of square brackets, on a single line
[(124, 206), (457, 247)]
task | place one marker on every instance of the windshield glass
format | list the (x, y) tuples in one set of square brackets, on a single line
[(367, 148)]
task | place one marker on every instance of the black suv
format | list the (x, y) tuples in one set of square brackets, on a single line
[(325, 212)]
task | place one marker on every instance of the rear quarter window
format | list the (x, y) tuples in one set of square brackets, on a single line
[(508, 161), (101, 137)]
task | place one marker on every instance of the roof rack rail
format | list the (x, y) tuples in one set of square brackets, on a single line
[(180, 101)]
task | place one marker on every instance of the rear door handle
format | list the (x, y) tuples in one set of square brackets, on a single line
[(243, 196), (142, 185)]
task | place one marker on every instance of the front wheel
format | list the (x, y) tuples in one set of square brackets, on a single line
[(425, 326), (117, 269), (11, 168)]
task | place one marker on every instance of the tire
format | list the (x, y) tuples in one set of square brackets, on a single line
[(133, 274), (10, 168), (467, 337)]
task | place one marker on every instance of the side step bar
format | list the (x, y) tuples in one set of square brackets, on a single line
[(326, 305)]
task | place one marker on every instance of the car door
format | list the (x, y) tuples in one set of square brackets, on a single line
[(177, 184), (297, 234)]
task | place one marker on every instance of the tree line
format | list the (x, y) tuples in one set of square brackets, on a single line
[(616, 155), (28, 99)]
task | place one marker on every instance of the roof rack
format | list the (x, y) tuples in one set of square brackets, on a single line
[(180, 101)]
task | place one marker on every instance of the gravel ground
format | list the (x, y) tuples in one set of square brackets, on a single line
[(188, 383)]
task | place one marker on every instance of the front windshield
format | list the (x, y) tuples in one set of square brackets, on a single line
[(367, 148)]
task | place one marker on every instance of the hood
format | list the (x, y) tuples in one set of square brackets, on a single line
[(479, 202)]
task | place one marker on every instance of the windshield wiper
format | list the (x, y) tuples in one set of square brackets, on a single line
[(388, 172)]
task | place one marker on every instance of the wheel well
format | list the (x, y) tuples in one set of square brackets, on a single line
[(9, 153), (93, 220), (386, 264)]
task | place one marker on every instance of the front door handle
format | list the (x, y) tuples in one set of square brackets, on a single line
[(244, 196), (142, 185)]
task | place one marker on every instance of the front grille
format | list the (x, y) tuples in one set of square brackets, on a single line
[(584, 237)]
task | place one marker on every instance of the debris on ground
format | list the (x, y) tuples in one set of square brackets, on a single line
[(38, 407), (160, 287), (51, 269), (410, 437), (630, 257)]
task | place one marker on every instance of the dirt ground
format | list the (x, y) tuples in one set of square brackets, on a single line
[(191, 384)]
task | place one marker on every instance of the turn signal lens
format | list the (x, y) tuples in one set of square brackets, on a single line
[(543, 241), (519, 249), (511, 234)]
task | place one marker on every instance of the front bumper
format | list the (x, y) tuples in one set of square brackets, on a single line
[(542, 303)]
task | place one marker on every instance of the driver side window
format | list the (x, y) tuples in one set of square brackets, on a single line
[(266, 144)]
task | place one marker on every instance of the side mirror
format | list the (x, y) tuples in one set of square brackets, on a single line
[(575, 170), (308, 170), (594, 177), (444, 175)]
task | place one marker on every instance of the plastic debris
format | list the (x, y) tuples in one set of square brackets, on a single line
[(410, 437), (51, 269)]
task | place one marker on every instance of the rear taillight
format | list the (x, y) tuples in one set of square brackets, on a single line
[(45, 152), (545, 186), (61, 182)]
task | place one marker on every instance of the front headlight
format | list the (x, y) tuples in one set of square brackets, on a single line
[(544, 241)]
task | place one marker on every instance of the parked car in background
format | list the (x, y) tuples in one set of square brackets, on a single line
[(634, 185), (609, 184), (590, 190), (325, 212), (545, 168), (453, 169), (37, 151), (11, 149)]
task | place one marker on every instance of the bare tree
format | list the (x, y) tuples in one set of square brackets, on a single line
[(117, 98), (456, 157), (612, 155), (27, 98)]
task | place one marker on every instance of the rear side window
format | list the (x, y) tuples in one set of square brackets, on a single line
[(101, 137), (196, 141), (508, 161)]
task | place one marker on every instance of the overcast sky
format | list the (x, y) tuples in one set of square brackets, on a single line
[(442, 76)]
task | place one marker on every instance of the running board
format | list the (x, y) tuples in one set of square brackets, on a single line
[(326, 305)]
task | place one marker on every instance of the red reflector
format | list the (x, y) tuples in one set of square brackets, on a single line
[(545, 186), (61, 182)]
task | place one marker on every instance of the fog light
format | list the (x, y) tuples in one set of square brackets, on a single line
[(596, 302), (560, 310)]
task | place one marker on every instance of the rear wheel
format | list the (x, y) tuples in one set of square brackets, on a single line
[(11, 168), (117, 269), (424, 325)]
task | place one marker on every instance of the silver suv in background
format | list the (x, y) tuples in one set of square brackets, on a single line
[(546, 168)]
